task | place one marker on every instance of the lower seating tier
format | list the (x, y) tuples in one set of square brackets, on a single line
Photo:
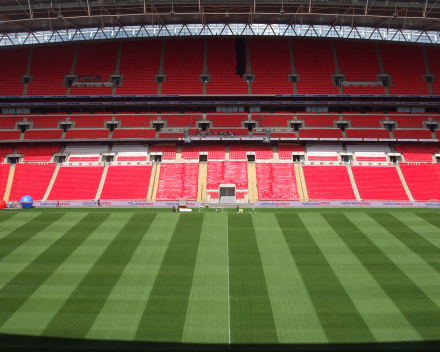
[(276, 181), (4, 174), (178, 181), (227, 172), (423, 180)]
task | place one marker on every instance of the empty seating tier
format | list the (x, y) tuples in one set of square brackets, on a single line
[(136, 120), (417, 152), (216, 151), (38, 153), (270, 120), (130, 152), (423, 180), (171, 135), (178, 181), (374, 152), (90, 120), (85, 152), (167, 151), (378, 183), (320, 133), (365, 120), (409, 121), (45, 121), (282, 135), (126, 182), (241, 151), (86, 134), (13, 65), (318, 120), (8, 122), (434, 66), (5, 150), (31, 179), (9, 135), (134, 133), (76, 183), (328, 182), (43, 134), (4, 174), (180, 120), (412, 134), (227, 172), (276, 181), (227, 120), (285, 150), (323, 151), (367, 133)]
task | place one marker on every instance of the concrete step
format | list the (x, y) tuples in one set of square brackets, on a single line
[(405, 185), (51, 183), (252, 182), (276, 156), (9, 183), (154, 182), (202, 182), (301, 183), (179, 153), (227, 152), (101, 183), (353, 183)]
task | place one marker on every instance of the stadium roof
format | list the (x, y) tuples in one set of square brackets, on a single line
[(44, 15)]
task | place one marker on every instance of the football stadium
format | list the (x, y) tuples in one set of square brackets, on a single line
[(220, 175)]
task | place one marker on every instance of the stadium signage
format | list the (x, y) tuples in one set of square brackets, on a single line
[(346, 203), (113, 203)]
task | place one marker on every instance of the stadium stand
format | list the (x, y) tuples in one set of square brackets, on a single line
[(367, 133), (416, 152), (43, 134), (227, 120), (139, 65), (48, 67), (318, 120), (134, 133), (434, 66), (227, 172), (323, 151), (378, 183), (183, 62), (86, 133), (13, 65), (76, 183), (126, 182), (136, 120), (423, 180), (235, 131), (373, 152), (285, 150), (315, 65), (168, 151), (4, 174), (178, 181), (31, 179), (9, 135), (270, 78), (85, 152), (45, 121), (240, 151), (181, 120), (409, 121), (270, 120), (281, 135), (8, 122), (222, 68), (216, 151), (320, 133), (90, 120), (171, 135), (337, 185), (365, 120), (38, 153), (359, 62), (96, 59), (5, 150), (412, 134), (406, 66), (130, 152), (276, 181)]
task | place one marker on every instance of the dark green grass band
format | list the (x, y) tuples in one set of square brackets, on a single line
[(14, 294), (164, 316), (25, 232), (86, 302), (432, 218), (338, 315), (418, 244), (420, 311), (251, 312), (6, 215)]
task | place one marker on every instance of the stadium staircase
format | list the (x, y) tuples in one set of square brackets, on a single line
[(227, 152), (276, 156), (72, 70), (154, 182), (301, 183), (335, 59), (52, 181), (118, 64), (9, 183), (28, 69), (353, 183), (405, 185), (202, 181), (382, 69), (101, 183), (252, 182)]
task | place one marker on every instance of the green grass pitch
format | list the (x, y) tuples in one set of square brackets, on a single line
[(271, 276)]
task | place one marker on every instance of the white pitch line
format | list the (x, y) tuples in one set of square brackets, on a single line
[(229, 304), (423, 236)]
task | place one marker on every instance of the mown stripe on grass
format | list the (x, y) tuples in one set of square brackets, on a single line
[(423, 275), (419, 245), (34, 315), (6, 215), (164, 316), (411, 301), (25, 232), (17, 291), (339, 317), (120, 316), (15, 221), (432, 220), (294, 314), (251, 313), (85, 303)]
